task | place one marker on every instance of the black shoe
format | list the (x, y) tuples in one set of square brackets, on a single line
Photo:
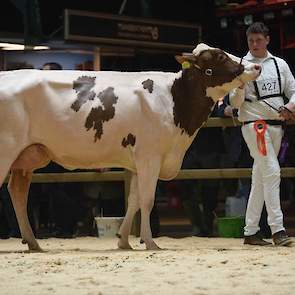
[(256, 240), (281, 239)]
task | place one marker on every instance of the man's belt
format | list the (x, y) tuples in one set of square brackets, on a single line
[(264, 97), (269, 122)]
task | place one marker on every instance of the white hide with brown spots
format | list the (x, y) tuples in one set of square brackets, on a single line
[(141, 121)]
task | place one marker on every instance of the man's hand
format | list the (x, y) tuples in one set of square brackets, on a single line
[(228, 111), (288, 111)]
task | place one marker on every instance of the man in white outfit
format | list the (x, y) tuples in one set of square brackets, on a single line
[(262, 111)]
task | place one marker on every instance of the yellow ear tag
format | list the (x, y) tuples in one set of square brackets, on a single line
[(186, 65)]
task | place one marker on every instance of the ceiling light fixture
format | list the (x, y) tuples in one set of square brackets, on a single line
[(14, 46)]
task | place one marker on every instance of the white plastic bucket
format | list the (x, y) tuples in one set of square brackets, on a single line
[(108, 227)]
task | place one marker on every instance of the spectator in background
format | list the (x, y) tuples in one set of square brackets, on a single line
[(200, 197), (51, 66), (11, 66), (262, 109)]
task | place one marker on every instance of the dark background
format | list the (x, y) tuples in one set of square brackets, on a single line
[(43, 20), (51, 12)]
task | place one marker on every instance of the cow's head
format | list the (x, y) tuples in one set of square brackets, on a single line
[(220, 71)]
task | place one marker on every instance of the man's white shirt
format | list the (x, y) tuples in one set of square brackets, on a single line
[(267, 83)]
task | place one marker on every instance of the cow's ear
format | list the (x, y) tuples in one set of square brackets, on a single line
[(179, 58), (185, 58)]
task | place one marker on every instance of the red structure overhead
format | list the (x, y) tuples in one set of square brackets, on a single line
[(277, 14)]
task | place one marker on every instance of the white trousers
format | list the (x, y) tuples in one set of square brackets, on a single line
[(266, 177)]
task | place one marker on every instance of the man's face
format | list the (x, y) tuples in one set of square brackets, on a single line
[(257, 44)]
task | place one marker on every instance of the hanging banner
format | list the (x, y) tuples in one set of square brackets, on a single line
[(101, 28)]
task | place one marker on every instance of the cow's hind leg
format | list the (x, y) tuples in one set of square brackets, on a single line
[(19, 184), (148, 173), (133, 207), (31, 158)]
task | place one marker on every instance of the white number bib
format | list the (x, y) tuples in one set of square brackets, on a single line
[(268, 87)]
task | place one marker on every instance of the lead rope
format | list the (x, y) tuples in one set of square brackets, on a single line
[(232, 116), (233, 119), (277, 109)]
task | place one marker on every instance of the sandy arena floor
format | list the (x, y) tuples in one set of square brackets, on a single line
[(193, 266)]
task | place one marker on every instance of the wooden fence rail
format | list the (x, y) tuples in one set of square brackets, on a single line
[(123, 175)]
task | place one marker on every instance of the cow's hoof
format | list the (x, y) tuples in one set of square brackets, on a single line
[(39, 250), (152, 246), (35, 248), (124, 245)]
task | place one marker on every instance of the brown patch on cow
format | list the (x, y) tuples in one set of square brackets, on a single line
[(148, 84), (100, 114), (224, 68), (130, 140), (83, 87), (191, 105)]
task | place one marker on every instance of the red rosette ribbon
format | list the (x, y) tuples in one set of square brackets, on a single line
[(260, 127)]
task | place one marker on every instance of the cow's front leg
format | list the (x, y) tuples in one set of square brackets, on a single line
[(18, 187), (147, 173), (133, 207)]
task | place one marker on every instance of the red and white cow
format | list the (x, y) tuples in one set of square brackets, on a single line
[(143, 122)]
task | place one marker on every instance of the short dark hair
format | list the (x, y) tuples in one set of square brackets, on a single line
[(258, 28), (53, 66)]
